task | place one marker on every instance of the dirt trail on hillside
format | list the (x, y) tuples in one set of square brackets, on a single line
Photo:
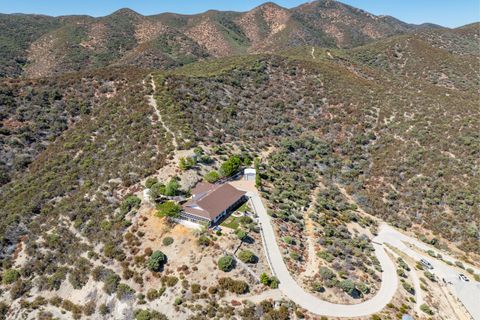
[(311, 266), (153, 102)]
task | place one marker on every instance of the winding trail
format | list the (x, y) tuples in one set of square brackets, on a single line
[(153, 103)]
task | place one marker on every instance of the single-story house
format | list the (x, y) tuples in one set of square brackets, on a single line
[(211, 202)]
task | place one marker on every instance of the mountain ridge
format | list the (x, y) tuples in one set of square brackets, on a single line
[(74, 42)]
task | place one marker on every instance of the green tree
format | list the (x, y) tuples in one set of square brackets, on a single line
[(212, 176), (265, 279), (226, 263), (172, 187), (156, 261), (230, 166)]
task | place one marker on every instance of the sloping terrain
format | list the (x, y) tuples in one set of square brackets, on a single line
[(376, 121), (407, 148), (38, 46)]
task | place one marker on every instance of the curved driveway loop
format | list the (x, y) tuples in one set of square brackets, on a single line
[(297, 294)]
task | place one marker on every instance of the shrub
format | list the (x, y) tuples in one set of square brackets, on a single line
[(212, 176), (19, 288), (156, 261), (408, 287), (401, 273), (348, 286), (241, 234), (10, 276), (170, 281), (327, 256), (124, 291), (425, 308), (178, 301), (168, 209), (167, 241), (152, 294), (103, 309), (295, 256), (431, 253), (326, 273), (362, 287), (247, 256), (3, 310), (430, 276), (272, 282), (150, 182), (318, 287), (288, 240), (226, 263), (111, 282), (403, 264), (235, 286), (186, 163), (203, 241), (195, 288), (171, 188), (129, 203), (265, 279), (149, 315)]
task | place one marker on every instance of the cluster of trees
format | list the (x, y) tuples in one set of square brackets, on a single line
[(228, 168), (159, 190)]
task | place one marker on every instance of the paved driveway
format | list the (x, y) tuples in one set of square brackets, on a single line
[(297, 294)]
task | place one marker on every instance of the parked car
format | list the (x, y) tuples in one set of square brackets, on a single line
[(427, 264), (462, 277)]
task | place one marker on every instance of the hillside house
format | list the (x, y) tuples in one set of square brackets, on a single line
[(211, 202)]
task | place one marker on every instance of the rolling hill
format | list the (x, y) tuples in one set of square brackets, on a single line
[(37, 46), (378, 112)]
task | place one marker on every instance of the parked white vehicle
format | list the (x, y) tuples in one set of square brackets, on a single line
[(462, 277)]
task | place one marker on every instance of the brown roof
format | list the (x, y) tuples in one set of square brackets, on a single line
[(215, 202), (203, 187)]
